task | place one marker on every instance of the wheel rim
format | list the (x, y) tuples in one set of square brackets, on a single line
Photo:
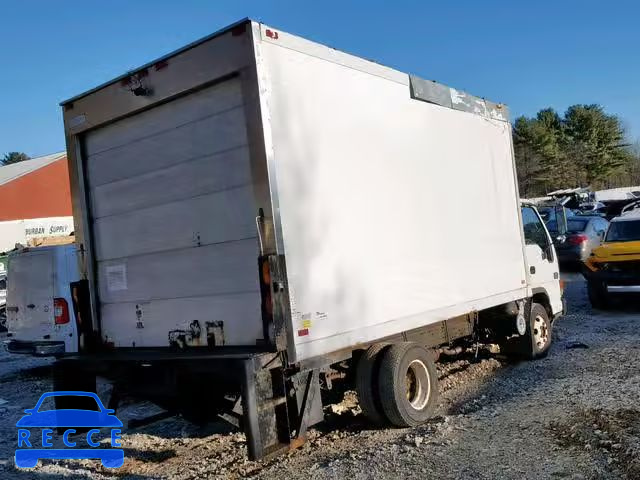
[(540, 332), (417, 384)]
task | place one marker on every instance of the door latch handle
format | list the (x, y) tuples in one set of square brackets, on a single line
[(532, 270), (31, 305)]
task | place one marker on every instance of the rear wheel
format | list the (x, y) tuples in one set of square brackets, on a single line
[(367, 383), (408, 384), (598, 295)]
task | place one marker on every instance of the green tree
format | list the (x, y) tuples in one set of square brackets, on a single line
[(595, 142), (584, 147), (13, 157)]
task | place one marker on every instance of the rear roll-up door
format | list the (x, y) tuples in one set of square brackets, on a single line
[(174, 222)]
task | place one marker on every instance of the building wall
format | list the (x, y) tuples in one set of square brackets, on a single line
[(42, 193)]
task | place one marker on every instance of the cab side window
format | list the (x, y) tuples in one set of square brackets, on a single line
[(534, 231)]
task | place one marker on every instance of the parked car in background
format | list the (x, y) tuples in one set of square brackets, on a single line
[(584, 233), (41, 319), (3, 288), (614, 267)]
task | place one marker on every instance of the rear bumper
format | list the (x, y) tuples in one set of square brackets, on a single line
[(37, 349), (623, 288), (615, 282)]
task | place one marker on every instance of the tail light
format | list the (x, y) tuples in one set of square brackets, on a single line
[(60, 311), (265, 286), (577, 239)]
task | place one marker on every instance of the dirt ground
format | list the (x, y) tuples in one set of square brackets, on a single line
[(574, 415)]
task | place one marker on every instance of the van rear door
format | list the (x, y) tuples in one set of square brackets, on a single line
[(30, 294)]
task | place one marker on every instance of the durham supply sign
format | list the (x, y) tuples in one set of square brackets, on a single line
[(20, 231)]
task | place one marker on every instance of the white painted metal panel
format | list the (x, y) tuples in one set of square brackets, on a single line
[(21, 232), (395, 213), (170, 146), (170, 226), (192, 178), (30, 294), (211, 270), (174, 220), (157, 314), (201, 104)]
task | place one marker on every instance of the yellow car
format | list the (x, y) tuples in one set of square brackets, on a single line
[(614, 266)]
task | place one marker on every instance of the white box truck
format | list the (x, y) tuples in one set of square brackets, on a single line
[(256, 210)]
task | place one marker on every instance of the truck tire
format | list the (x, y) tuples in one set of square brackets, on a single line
[(367, 383), (539, 331), (408, 384), (536, 341), (598, 295)]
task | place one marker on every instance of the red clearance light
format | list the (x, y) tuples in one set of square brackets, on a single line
[(272, 34), (577, 239), (60, 311)]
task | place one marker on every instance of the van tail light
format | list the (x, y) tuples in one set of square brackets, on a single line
[(60, 311), (577, 239)]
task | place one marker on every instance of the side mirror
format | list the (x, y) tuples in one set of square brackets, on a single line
[(561, 219)]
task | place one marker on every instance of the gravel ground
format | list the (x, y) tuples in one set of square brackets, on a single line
[(572, 415)]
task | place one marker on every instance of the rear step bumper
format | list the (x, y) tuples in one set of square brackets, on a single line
[(278, 402), (37, 349)]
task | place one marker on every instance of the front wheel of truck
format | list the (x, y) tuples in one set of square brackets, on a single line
[(536, 341)]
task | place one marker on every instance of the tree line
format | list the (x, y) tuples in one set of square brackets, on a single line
[(13, 157), (584, 147)]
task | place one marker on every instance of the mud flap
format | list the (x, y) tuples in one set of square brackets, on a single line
[(277, 410)]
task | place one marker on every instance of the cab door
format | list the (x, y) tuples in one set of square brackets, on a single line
[(542, 263)]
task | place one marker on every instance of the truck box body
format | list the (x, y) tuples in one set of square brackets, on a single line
[(389, 199)]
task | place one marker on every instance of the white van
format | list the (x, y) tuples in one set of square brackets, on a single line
[(41, 319)]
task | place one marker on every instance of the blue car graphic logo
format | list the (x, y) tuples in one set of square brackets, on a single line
[(67, 419)]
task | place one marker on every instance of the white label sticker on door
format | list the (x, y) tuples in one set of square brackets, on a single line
[(116, 277)]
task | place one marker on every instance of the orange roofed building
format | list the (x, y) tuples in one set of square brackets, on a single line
[(36, 188), (35, 201)]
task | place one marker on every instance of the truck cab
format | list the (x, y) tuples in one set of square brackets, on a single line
[(40, 316)]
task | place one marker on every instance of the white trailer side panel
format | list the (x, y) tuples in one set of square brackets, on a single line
[(173, 219), (395, 213)]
